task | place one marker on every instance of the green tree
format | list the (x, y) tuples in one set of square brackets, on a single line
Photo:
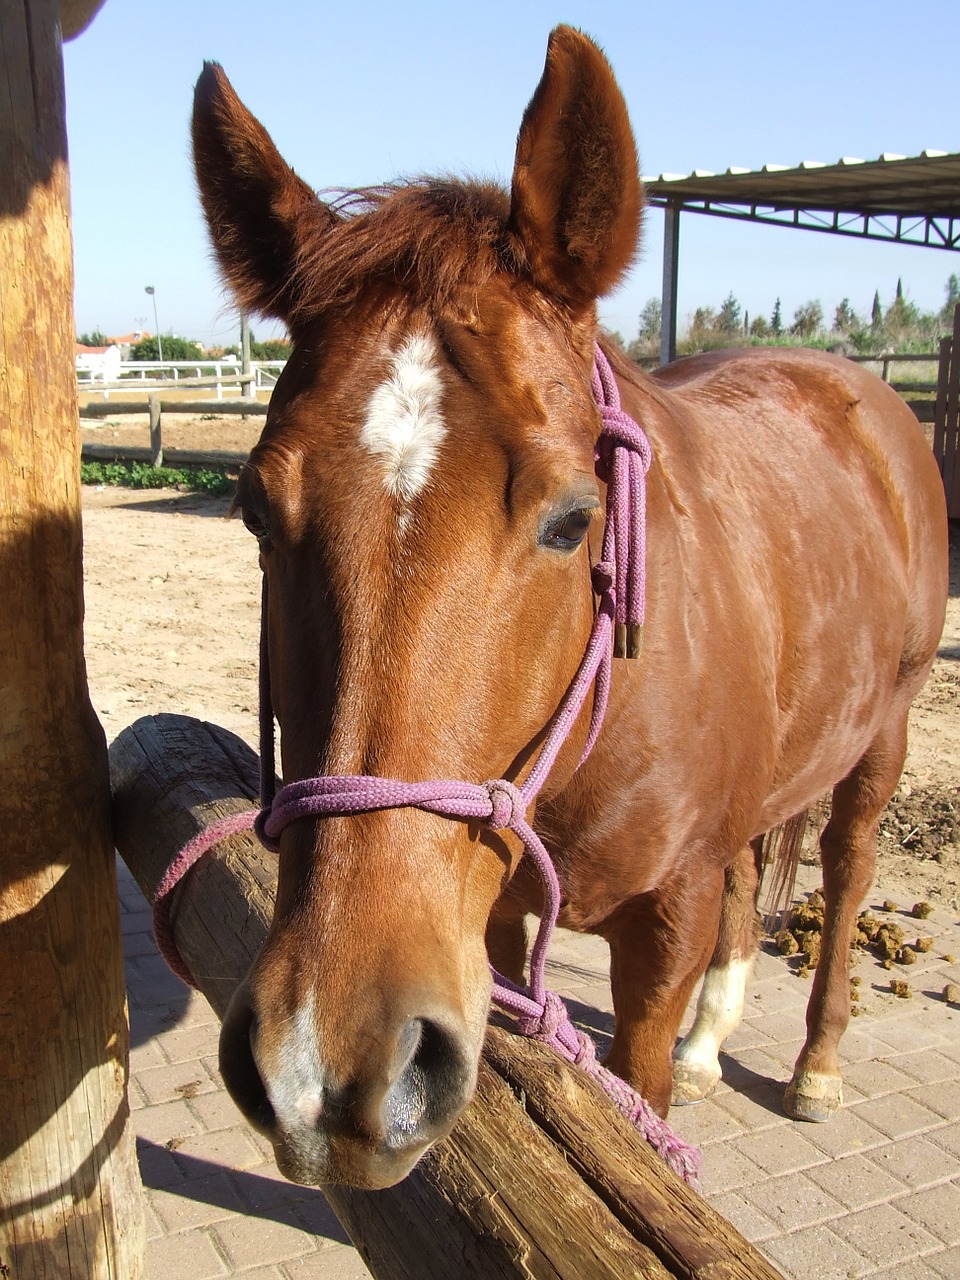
[(902, 320), (952, 290), (173, 349), (807, 319), (647, 341), (759, 327), (94, 339), (776, 320), (651, 319), (728, 321), (845, 319), (271, 349), (876, 312)]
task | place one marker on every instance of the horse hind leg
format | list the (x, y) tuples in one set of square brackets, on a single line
[(696, 1060), (848, 848)]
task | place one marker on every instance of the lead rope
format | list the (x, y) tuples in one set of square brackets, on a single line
[(622, 460)]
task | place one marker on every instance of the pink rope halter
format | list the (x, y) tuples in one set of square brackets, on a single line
[(622, 460)]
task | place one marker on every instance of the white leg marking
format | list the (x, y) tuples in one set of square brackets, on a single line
[(404, 426), (718, 1012)]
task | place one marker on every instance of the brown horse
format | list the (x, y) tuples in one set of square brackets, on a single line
[(427, 507)]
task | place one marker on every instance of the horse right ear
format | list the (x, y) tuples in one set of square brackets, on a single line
[(576, 199), (259, 212)]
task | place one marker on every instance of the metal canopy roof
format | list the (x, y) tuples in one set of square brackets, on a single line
[(910, 199), (903, 199)]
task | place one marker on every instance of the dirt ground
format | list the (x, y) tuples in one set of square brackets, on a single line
[(172, 618)]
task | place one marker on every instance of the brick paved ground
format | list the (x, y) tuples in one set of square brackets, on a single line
[(874, 1193)]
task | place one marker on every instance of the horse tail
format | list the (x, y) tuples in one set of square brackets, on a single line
[(779, 858)]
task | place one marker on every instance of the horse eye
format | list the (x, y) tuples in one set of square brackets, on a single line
[(253, 523), (568, 532)]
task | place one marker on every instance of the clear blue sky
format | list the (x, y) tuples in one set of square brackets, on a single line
[(355, 94)]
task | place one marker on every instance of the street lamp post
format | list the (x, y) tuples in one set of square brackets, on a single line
[(153, 294)]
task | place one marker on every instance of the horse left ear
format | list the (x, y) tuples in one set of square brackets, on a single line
[(576, 200), (260, 214)]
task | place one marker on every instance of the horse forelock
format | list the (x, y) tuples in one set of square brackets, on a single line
[(432, 238)]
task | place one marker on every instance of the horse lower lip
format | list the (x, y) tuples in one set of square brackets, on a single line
[(345, 1164)]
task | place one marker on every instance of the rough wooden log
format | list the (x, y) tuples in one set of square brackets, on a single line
[(541, 1177), (69, 1184)]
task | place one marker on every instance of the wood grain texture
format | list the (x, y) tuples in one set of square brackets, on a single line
[(69, 1184), (541, 1177)]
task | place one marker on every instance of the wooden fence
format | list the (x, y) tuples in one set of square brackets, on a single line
[(155, 408), (137, 376), (946, 422), (944, 412)]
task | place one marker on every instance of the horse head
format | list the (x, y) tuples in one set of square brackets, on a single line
[(426, 503)]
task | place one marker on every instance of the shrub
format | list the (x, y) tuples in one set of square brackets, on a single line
[(137, 475)]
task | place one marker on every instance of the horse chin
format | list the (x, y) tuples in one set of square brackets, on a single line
[(318, 1162)]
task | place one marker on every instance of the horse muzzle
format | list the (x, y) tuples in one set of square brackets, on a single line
[(366, 1126)]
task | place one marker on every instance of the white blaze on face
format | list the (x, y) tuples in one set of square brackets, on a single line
[(404, 426)]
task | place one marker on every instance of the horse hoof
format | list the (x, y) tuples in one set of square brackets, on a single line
[(692, 1082), (814, 1097)]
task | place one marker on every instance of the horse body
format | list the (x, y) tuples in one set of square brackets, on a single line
[(427, 508)]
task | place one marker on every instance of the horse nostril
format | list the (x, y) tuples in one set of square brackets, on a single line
[(238, 1065), (431, 1085)]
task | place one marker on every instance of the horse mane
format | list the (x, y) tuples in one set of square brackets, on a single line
[(429, 235)]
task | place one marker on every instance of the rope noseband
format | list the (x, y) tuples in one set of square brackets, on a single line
[(622, 460)]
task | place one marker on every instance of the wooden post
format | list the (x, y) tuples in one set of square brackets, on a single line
[(246, 388), (541, 1178), (69, 1186), (156, 443), (951, 469)]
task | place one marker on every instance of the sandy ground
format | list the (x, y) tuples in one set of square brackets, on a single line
[(172, 617)]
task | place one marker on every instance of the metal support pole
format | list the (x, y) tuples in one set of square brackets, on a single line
[(671, 263)]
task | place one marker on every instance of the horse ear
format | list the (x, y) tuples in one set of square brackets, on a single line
[(259, 212), (576, 199)]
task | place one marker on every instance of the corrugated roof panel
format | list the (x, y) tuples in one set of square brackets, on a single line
[(927, 186)]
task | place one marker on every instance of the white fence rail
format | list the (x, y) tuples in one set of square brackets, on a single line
[(223, 375)]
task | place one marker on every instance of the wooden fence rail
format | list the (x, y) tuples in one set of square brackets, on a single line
[(155, 408)]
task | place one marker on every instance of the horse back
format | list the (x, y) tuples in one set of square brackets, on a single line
[(796, 577)]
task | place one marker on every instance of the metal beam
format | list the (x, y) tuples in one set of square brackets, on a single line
[(933, 232), (671, 268)]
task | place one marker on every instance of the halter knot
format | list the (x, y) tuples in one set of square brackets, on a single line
[(545, 1025), (260, 828), (620, 430), (603, 575), (506, 802)]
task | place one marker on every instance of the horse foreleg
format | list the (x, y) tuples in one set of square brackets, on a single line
[(848, 849), (696, 1060), (506, 939), (659, 946)]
